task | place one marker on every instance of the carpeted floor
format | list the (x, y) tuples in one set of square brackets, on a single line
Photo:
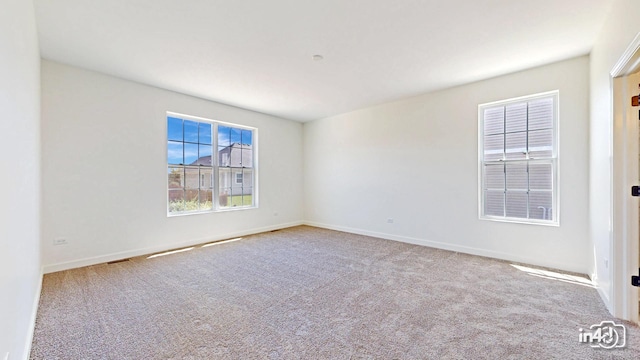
[(309, 293)]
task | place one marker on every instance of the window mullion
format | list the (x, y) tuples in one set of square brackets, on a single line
[(184, 187), (504, 133), (527, 157), (216, 168), (504, 196), (528, 192), (504, 157), (527, 133)]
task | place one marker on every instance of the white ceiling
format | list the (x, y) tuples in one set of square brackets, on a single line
[(257, 54)]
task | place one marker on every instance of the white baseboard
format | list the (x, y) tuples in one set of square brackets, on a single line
[(32, 320), (454, 247), (434, 244), (603, 295), (605, 298), (154, 249)]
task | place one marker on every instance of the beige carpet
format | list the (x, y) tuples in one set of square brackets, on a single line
[(308, 293)]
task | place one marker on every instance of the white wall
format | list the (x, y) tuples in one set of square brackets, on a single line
[(104, 170), (20, 272), (416, 161), (619, 30)]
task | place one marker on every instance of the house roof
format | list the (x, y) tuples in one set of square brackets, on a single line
[(258, 55), (236, 157)]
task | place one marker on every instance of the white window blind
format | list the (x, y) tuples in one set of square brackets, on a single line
[(518, 159)]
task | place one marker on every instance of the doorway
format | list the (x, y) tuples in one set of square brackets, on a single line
[(625, 173), (633, 89)]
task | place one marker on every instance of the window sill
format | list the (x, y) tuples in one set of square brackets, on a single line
[(553, 223), (237, 208)]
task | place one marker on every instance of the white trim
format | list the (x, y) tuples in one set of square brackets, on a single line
[(198, 118), (215, 166), (255, 169), (624, 244), (622, 300), (457, 248), (603, 295), (520, 98), (520, 220), (34, 314), (554, 160), (154, 249), (629, 62)]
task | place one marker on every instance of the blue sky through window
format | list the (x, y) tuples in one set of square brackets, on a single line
[(174, 129), (224, 135), (190, 153), (187, 141), (204, 134), (229, 135), (175, 153), (190, 131), (190, 140)]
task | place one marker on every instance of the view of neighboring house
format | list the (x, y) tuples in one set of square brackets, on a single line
[(236, 173), (235, 178)]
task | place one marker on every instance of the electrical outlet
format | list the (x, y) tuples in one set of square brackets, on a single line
[(389, 221), (60, 241)]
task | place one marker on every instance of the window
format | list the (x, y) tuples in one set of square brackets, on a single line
[(199, 151), (519, 159), (235, 151)]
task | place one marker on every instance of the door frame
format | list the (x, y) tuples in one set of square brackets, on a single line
[(625, 216)]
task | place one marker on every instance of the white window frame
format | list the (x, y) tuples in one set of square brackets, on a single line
[(236, 177), (215, 164), (554, 160)]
